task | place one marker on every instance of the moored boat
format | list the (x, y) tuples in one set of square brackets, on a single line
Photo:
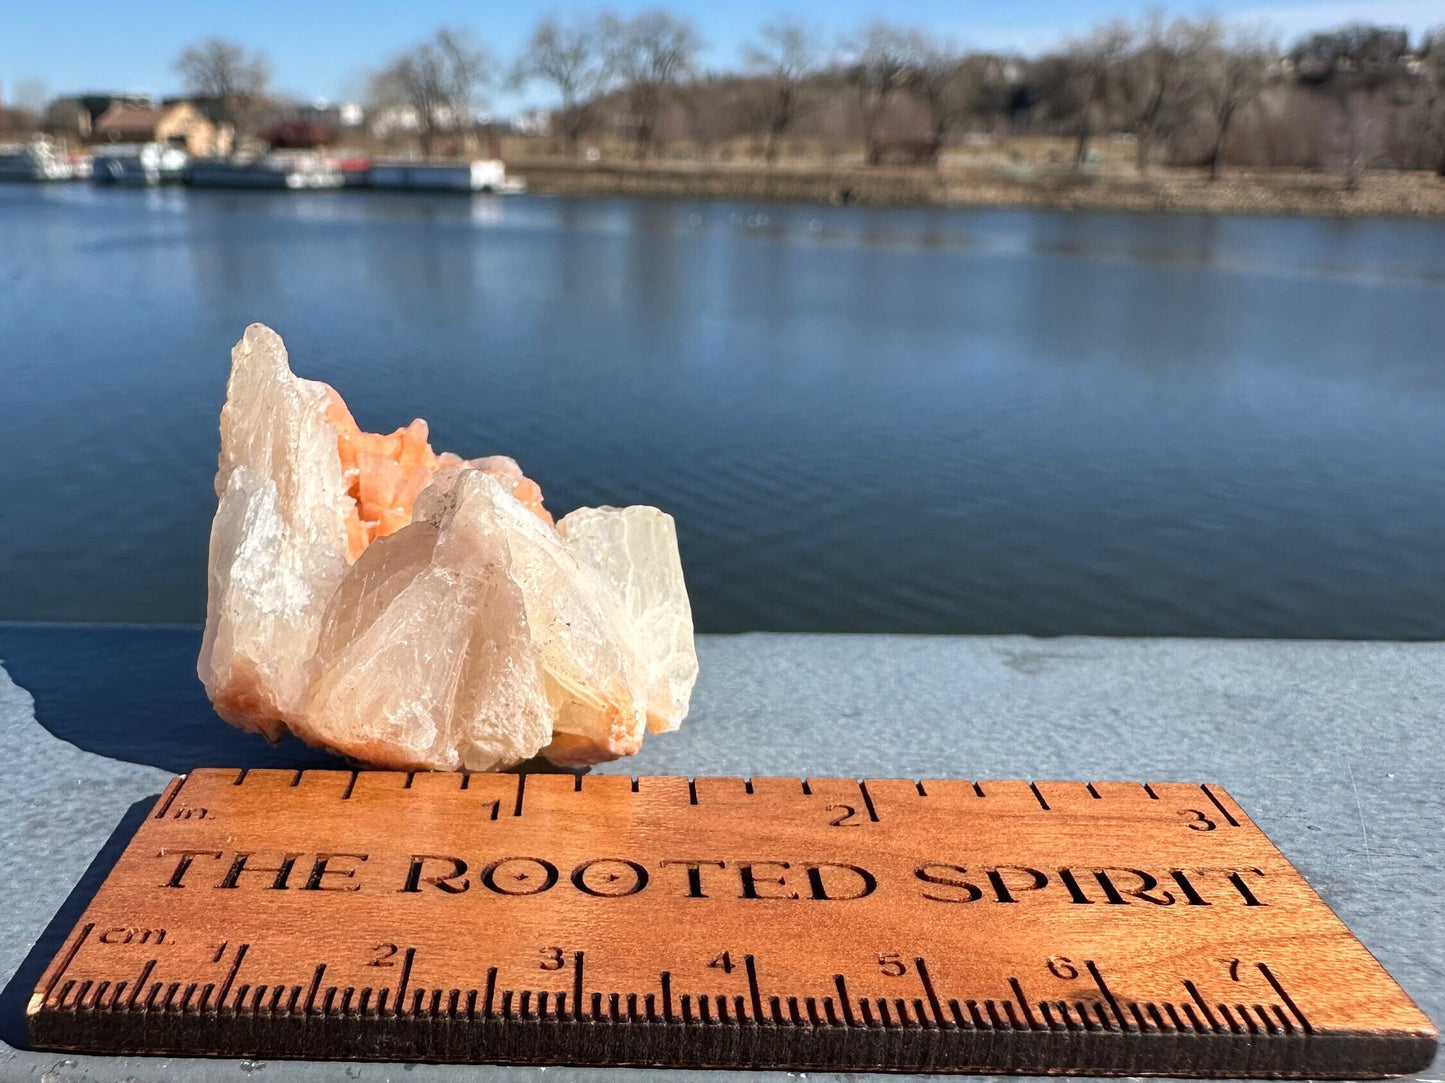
[(294, 172), (141, 164), (481, 175), (39, 160)]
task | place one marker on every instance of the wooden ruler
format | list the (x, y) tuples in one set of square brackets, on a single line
[(1106, 928)]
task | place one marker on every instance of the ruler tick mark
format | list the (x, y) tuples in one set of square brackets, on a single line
[(490, 992), (577, 983), (754, 992), (1108, 995), (1174, 1018), (1264, 1018), (928, 990), (1018, 989), (350, 785), (1193, 992), (521, 790), (135, 991), (1034, 786), (845, 1001), (405, 977), (867, 800), (1228, 818), (923, 1014), (170, 795), (231, 976), (1284, 996), (315, 985), (68, 958)]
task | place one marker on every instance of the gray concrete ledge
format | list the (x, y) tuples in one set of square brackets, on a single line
[(1335, 749)]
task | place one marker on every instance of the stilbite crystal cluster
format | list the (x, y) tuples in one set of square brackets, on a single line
[(411, 609)]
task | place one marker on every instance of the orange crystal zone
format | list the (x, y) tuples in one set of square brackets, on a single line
[(385, 473)]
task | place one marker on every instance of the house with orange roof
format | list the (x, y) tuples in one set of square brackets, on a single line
[(176, 124)]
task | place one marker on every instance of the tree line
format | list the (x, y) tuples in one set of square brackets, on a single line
[(1187, 91), (1184, 89)]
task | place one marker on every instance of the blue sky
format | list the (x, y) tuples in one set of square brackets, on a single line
[(324, 48)]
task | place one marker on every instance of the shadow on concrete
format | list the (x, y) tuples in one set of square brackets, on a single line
[(131, 693), (16, 995)]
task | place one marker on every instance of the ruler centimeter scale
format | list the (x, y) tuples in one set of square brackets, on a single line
[(940, 925)]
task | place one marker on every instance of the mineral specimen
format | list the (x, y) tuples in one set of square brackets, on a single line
[(410, 609)]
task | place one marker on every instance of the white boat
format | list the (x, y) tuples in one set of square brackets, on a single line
[(138, 163), (41, 159), (289, 171), (482, 175)]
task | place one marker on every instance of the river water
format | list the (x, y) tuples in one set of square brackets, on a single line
[(863, 420)]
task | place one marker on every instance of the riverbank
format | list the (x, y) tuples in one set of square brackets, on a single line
[(1164, 191)]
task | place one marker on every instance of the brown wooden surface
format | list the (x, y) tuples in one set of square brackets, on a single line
[(1107, 928)]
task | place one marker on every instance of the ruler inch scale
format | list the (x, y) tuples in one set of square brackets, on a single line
[(1100, 928)]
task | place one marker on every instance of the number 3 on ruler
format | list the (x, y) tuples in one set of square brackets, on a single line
[(1198, 821)]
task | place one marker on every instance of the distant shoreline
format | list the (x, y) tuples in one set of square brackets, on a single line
[(1165, 190)]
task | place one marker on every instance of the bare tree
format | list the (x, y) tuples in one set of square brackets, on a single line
[(1432, 103), (1159, 80), (995, 84), (944, 82), (1235, 71), (233, 79), (1356, 134), (1359, 65), (651, 55), (27, 108), (573, 60), (717, 110), (1094, 65), (1355, 52), (30, 96), (781, 61), (885, 55), (438, 81)]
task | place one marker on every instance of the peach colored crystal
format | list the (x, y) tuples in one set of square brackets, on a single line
[(407, 608), (385, 474)]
